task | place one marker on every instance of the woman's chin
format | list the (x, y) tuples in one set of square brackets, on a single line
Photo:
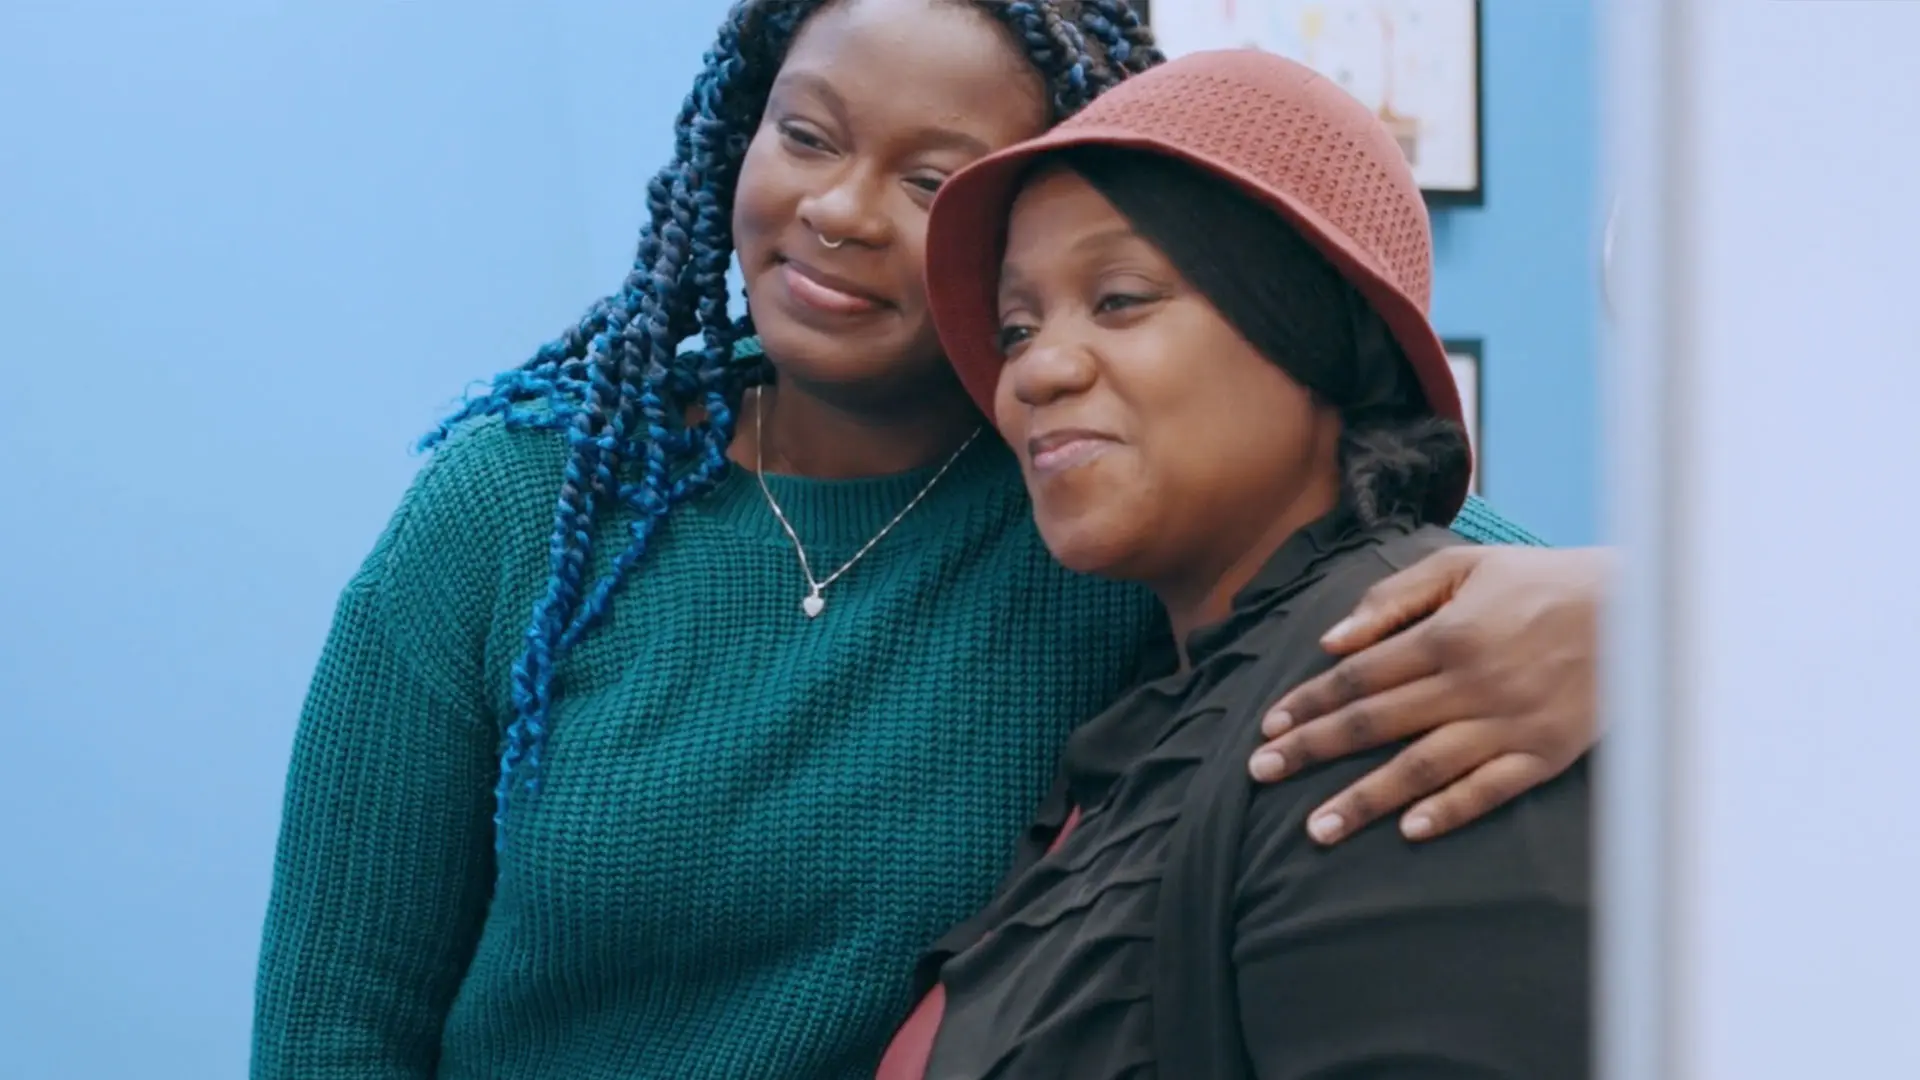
[(888, 349), (1089, 544)]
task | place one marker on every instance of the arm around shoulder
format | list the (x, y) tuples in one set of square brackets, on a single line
[(385, 860), (1467, 957)]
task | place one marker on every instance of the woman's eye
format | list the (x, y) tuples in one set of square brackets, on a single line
[(1120, 302), (801, 137), (928, 184), (1011, 336)]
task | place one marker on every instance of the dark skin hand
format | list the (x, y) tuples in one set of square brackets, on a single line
[(1484, 657)]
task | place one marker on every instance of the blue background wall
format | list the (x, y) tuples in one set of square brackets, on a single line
[(247, 253), (1522, 272)]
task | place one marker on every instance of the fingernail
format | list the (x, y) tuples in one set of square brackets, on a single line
[(1340, 629), (1268, 765), (1326, 827), (1276, 723), (1417, 827)]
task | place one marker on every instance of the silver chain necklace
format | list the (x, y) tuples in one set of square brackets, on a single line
[(814, 603)]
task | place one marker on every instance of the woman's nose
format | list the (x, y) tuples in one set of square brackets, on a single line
[(1050, 368), (848, 210)]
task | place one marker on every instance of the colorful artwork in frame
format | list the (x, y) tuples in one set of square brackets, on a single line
[(1416, 63)]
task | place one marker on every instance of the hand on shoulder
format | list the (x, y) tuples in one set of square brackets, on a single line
[(1485, 655)]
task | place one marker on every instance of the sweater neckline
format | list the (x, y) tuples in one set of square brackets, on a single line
[(833, 514)]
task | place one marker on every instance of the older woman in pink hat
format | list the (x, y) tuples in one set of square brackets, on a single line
[(1198, 313)]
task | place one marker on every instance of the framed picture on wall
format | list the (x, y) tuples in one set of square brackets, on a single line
[(1415, 63), (1464, 354)]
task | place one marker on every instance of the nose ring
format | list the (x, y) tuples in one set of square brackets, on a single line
[(826, 243)]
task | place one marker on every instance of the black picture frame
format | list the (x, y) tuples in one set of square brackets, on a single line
[(1442, 198), (1469, 353), (1438, 198)]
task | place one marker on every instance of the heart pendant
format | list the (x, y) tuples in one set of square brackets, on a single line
[(813, 605)]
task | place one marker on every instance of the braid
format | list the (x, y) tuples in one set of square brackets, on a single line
[(616, 383), (715, 128), (1055, 35), (1124, 39)]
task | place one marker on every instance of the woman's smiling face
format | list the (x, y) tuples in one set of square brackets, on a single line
[(1155, 440), (876, 104)]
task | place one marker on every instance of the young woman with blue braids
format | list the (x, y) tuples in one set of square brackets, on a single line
[(798, 666)]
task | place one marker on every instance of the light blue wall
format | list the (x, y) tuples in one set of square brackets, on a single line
[(247, 253)]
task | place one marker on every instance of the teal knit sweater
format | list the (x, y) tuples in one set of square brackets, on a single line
[(750, 822)]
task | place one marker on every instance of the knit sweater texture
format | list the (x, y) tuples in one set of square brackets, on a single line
[(749, 823)]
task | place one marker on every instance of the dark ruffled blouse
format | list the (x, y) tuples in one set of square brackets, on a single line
[(1463, 957)]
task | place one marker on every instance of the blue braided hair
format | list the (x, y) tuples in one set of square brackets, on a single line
[(617, 383)]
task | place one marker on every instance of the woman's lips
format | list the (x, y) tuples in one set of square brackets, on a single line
[(1059, 451), (824, 292)]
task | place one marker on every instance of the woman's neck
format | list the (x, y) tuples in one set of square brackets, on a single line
[(809, 436), (1204, 596)]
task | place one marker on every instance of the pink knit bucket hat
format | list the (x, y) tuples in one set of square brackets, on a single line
[(1282, 132)]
